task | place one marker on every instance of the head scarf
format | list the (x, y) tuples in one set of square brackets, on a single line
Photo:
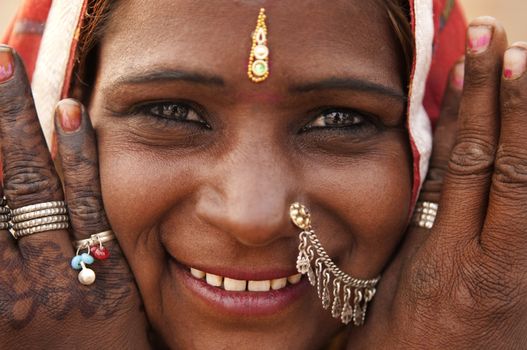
[(45, 33)]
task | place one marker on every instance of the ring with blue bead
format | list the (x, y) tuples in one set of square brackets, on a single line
[(76, 262), (87, 258), (79, 262)]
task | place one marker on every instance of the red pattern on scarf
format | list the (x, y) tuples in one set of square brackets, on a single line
[(449, 46), (26, 42)]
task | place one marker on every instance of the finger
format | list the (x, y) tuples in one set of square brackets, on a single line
[(444, 135), (7, 245), (444, 138), (78, 152), (467, 180), (29, 174), (507, 218)]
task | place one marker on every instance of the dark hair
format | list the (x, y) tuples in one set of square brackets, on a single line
[(399, 14), (98, 13)]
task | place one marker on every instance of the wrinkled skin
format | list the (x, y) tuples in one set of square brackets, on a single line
[(217, 194), (462, 285), (42, 303), (211, 188), (213, 193)]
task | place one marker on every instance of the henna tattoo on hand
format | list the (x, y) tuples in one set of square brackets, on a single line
[(51, 287)]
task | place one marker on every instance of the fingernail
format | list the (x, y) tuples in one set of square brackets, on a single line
[(514, 62), (458, 76), (7, 63), (479, 38), (69, 115)]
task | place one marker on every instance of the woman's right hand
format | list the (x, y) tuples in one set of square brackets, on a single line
[(42, 303)]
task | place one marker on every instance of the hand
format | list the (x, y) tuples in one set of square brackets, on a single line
[(42, 303), (463, 283)]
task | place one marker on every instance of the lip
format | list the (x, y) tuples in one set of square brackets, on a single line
[(252, 304)]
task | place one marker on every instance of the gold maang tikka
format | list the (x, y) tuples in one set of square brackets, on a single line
[(258, 69), (347, 297)]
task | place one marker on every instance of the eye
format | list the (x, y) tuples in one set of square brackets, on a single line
[(339, 119), (171, 111)]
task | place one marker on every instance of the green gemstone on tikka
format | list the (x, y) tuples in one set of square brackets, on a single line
[(259, 68)]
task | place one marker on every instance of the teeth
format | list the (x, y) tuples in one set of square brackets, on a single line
[(278, 283), (197, 273), (259, 286), (234, 285), (214, 280), (294, 279)]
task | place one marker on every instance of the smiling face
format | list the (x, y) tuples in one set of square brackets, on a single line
[(199, 165)]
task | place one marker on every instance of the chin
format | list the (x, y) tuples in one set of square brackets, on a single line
[(200, 310)]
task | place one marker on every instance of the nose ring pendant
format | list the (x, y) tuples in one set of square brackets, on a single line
[(346, 297)]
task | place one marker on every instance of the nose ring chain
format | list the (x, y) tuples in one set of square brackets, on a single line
[(346, 297)]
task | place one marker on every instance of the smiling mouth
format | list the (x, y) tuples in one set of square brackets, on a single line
[(235, 285)]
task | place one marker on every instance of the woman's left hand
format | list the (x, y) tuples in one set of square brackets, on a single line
[(463, 284)]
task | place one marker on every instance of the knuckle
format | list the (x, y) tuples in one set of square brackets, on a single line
[(78, 172), (86, 211), (472, 156), (29, 184), (488, 287), (477, 80), (492, 289), (513, 100), (511, 166), (481, 75), (426, 276), (12, 103)]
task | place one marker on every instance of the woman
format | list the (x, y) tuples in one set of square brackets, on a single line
[(198, 165)]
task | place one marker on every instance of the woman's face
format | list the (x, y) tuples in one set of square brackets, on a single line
[(199, 165)]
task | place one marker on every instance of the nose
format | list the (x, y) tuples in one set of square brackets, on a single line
[(248, 197)]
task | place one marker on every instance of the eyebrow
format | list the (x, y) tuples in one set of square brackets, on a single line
[(349, 84), (167, 75)]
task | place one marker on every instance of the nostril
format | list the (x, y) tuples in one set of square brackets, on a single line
[(250, 219)]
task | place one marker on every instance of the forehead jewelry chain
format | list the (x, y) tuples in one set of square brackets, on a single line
[(258, 69), (347, 296)]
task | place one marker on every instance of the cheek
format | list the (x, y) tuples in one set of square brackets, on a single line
[(139, 190), (366, 206)]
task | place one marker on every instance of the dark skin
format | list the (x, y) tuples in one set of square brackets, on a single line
[(462, 284), (39, 289), (245, 154), (256, 184)]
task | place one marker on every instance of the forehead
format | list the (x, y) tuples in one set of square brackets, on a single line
[(308, 39)]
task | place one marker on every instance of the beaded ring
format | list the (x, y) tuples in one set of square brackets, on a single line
[(93, 245)]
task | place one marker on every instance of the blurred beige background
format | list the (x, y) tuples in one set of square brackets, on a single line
[(509, 12)]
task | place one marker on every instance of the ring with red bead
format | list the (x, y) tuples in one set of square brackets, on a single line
[(99, 252), (95, 250)]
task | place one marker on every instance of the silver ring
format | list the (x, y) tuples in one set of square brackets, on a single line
[(97, 238), (40, 221), (42, 228), (5, 216), (425, 214), (40, 217), (38, 206), (39, 214)]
